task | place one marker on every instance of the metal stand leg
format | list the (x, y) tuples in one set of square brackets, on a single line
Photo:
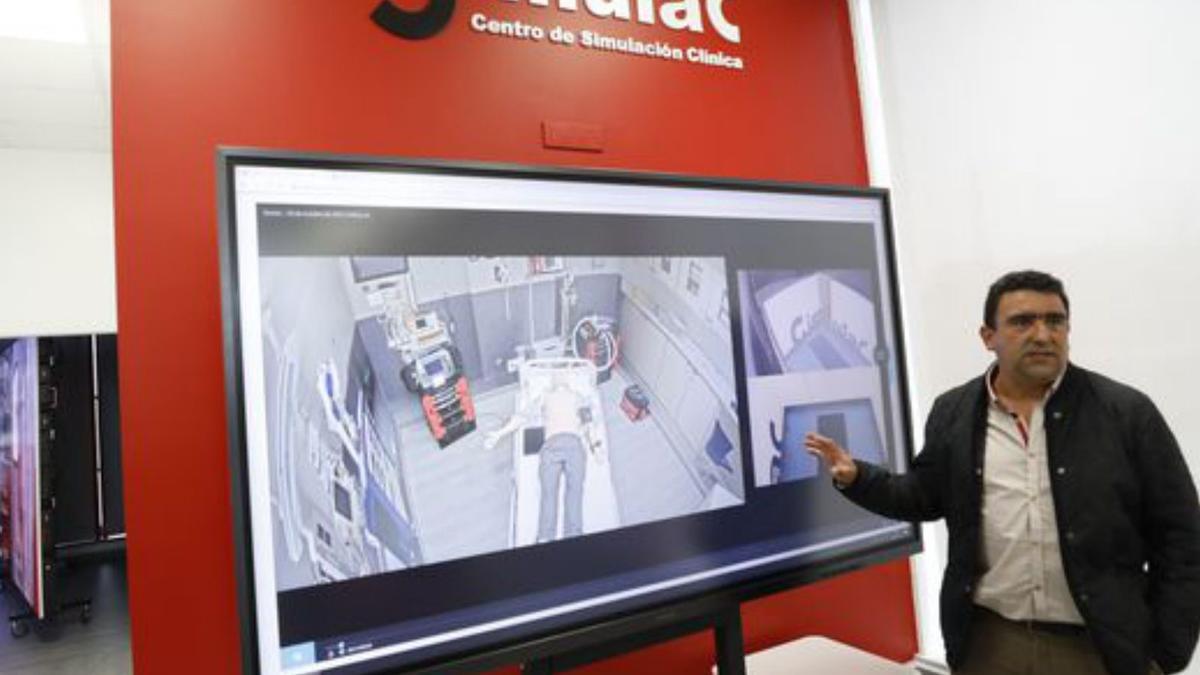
[(537, 667), (731, 655), (19, 624), (84, 606)]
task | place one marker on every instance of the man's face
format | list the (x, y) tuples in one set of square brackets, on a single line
[(1030, 339)]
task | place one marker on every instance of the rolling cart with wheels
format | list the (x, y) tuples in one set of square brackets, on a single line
[(39, 586)]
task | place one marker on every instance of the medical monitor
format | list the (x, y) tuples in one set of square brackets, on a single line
[(581, 395)]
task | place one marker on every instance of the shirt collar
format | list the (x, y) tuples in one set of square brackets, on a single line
[(991, 389)]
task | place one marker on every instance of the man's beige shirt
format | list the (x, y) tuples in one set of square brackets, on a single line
[(1023, 577)]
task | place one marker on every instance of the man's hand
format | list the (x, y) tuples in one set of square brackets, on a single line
[(841, 464)]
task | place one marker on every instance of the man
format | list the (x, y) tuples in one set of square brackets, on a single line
[(1074, 530)]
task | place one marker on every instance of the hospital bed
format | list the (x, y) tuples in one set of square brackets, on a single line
[(599, 498)]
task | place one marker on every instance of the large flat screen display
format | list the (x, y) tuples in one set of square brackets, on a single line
[(472, 406), (20, 467)]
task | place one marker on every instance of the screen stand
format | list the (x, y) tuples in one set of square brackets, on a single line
[(19, 624), (726, 625), (731, 654)]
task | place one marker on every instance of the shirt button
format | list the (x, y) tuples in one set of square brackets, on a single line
[(1056, 415), (1062, 471), (1070, 535), (967, 589), (1083, 597), (978, 471)]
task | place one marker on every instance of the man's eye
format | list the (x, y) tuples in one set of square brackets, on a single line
[(1026, 321)]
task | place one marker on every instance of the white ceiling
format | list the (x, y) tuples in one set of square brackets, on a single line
[(55, 94)]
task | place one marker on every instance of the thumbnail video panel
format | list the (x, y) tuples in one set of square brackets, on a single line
[(811, 346)]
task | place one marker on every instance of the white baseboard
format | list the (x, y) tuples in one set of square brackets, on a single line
[(927, 666)]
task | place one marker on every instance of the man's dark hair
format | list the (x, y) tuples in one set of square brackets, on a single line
[(1025, 280)]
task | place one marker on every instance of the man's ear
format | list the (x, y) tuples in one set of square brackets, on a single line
[(986, 333)]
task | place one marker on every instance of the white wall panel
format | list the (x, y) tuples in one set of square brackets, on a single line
[(1055, 135), (56, 243)]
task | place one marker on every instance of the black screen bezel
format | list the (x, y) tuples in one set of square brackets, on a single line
[(620, 624)]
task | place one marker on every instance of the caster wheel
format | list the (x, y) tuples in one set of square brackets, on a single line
[(18, 628), (85, 614)]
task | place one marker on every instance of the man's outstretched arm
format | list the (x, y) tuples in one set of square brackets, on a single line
[(916, 495)]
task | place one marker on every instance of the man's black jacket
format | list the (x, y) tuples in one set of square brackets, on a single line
[(1128, 519)]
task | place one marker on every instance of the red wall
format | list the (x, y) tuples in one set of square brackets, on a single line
[(318, 76)]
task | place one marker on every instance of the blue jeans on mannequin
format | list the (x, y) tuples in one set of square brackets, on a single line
[(561, 455)]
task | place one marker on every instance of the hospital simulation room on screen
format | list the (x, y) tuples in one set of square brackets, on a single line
[(475, 406)]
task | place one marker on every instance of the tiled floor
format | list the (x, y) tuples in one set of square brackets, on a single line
[(461, 493), (651, 480), (99, 647), (461, 496)]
